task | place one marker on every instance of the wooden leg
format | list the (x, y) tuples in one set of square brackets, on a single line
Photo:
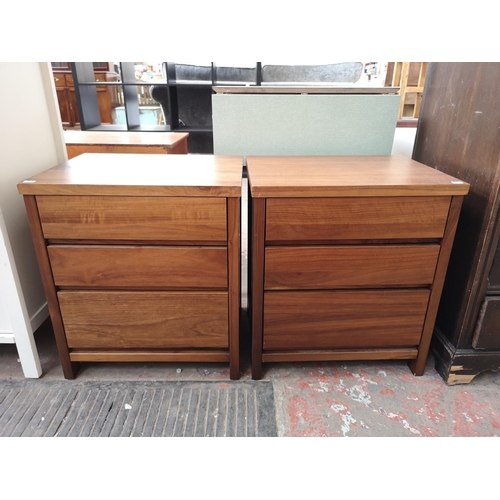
[(70, 369), (417, 366), (258, 235), (233, 228)]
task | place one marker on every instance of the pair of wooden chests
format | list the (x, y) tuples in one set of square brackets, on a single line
[(140, 257)]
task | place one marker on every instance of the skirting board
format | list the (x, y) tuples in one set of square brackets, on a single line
[(39, 317)]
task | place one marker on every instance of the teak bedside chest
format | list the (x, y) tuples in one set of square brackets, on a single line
[(348, 257), (140, 256)]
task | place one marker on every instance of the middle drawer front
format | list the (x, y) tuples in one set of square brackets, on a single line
[(344, 319), (145, 320), (323, 267), (140, 266), (133, 218)]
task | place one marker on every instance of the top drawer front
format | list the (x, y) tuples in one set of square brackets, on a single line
[(327, 219), (133, 218)]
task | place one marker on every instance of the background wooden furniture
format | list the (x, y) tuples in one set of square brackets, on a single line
[(348, 261), (458, 133), (107, 98), (79, 142), (140, 256), (410, 78)]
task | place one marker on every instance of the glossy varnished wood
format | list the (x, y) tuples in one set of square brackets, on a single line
[(327, 219), (318, 267), (349, 319), (140, 175), (144, 320), (143, 218), (138, 267), (347, 176)]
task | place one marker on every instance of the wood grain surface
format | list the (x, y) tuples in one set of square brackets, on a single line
[(323, 267), (139, 267), (145, 320), (122, 218), (234, 280), (347, 176), (256, 238), (152, 356), (140, 175), (349, 319), (326, 219), (69, 367), (340, 355)]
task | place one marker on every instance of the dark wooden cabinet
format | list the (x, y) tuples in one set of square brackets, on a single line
[(459, 134)]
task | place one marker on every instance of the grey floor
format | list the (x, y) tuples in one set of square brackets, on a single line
[(362, 399)]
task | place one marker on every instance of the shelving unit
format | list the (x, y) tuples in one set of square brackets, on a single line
[(184, 97), (107, 97), (184, 93)]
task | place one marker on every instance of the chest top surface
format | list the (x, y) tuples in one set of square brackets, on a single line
[(98, 174), (347, 176)]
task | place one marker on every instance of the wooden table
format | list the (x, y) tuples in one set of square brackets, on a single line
[(139, 256), (348, 256), (79, 142)]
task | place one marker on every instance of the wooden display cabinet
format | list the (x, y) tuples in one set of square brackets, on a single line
[(107, 97)]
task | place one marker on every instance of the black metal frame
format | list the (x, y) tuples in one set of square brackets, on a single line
[(86, 98)]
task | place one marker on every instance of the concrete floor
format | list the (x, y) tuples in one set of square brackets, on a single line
[(320, 399)]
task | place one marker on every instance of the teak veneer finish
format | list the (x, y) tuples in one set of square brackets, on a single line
[(87, 141), (140, 257), (348, 257)]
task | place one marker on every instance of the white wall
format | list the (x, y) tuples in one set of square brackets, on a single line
[(31, 140), (404, 139)]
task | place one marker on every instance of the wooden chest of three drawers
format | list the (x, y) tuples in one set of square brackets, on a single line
[(140, 257), (348, 256)]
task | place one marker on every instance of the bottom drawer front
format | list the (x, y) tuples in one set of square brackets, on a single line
[(343, 320), (145, 320)]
